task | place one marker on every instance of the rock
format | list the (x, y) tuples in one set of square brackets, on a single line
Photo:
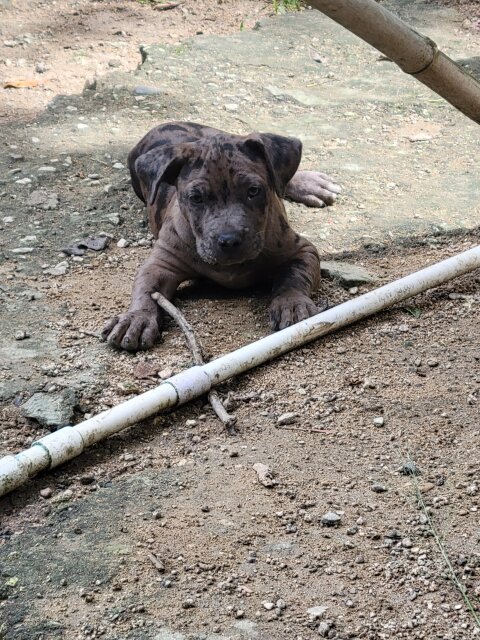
[(232, 107), (145, 370), (410, 469), (377, 487), (114, 218), (81, 126), (268, 605), (51, 409), (43, 199), (379, 421), (146, 91), (317, 611), (264, 474), (22, 250), (23, 181), (165, 373), (118, 166), (346, 274), (324, 628), (46, 169), (421, 136), (64, 496), (330, 519), (188, 603), (22, 335), (79, 247), (59, 269), (114, 64), (41, 67), (287, 418), (122, 243), (46, 493)]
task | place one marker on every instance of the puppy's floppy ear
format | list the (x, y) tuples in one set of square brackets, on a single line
[(282, 156), (162, 164)]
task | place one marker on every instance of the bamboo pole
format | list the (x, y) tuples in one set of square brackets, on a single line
[(414, 53)]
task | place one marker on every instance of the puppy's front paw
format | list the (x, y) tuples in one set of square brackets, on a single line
[(290, 309), (133, 331), (312, 188)]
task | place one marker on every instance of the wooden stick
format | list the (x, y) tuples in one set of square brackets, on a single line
[(227, 419)]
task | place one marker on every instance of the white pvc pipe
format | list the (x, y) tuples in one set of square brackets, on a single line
[(66, 443)]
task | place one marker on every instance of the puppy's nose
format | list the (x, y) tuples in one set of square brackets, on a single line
[(229, 240)]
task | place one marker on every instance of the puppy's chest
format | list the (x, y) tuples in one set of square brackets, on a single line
[(239, 276)]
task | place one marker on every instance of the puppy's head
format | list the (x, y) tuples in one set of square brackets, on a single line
[(226, 187)]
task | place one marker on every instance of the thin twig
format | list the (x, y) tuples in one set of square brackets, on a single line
[(93, 334), (227, 419), (165, 6), (157, 563), (456, 581)]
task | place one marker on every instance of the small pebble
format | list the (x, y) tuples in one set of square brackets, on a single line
[(268, 605), (188, 603), (379, 421), (122, 243), (46, 493), (330, 519), (377, 487), (410, 469), (287, 418)]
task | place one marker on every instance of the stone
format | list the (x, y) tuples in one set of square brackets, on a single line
[(59, 269), (264, 474), (330, 519), (46, 169), (324, 628), (114, 218), (41, 67), (317, 611), (379, 421), (346, 274), (23, 181), (46, 493), (81, 126), (22, 335), (114, 64), (51, 409), (122, 243), (118, 166), (145, 91), (287, 418), (410, 469), (22, 250), (377, 487), (232, 107), (43, 199), (268, 605)]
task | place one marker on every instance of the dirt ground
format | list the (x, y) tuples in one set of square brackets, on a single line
[(164, 532)]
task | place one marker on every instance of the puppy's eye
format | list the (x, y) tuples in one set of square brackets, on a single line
[(253, 192), (196, 198)]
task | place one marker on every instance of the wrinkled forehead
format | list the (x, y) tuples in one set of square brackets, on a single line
[(225, 158)]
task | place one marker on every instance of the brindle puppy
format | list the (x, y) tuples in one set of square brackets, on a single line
[(214, 206)]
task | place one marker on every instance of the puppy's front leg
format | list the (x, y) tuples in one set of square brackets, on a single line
[(293, 286), (140, 327)]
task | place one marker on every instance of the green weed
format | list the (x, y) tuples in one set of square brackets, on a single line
[(282, 6)]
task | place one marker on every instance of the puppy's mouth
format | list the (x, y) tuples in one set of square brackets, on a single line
[(216, 257)]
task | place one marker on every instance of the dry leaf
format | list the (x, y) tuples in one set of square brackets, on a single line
[(20, 84)]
